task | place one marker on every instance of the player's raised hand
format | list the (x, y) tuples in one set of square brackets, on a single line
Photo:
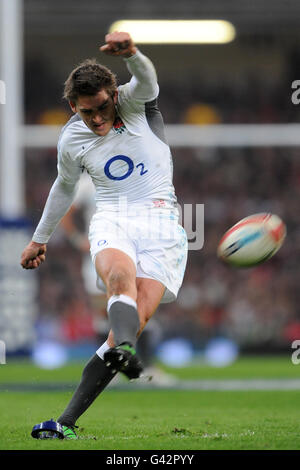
[(33, 255), (118, 44)]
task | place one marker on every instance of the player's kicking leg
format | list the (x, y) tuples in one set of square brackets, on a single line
[(96, 375), (118, 272), (123, 357)]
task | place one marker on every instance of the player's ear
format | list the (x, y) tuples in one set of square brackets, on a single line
[(73, 106), (115, 96)]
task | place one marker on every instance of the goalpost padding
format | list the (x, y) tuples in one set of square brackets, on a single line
[(18, 288)]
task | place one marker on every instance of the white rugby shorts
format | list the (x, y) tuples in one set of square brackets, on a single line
[(155, 242)]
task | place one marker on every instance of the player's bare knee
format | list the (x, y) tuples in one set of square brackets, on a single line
[(118, 282)]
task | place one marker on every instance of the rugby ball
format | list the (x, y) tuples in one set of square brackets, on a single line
[(252, 240)]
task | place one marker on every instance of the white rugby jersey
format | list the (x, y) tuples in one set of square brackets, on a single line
[(131, 165), (132, 160)]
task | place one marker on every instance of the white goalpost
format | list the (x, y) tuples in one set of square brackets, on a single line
[(18, 299), (11, 111)]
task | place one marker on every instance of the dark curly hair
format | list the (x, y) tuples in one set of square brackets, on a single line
[(89, 78)]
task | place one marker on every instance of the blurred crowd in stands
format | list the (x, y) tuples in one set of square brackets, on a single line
[(258, 307)]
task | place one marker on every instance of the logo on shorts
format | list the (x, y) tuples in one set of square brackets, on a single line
[(101, 242)]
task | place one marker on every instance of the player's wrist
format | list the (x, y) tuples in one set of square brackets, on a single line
[(132, 53), (37, 244)]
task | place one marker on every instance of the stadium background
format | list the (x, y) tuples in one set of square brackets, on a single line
[(247, 81)]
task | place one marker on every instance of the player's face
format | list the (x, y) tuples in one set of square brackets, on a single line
[(97, 111)]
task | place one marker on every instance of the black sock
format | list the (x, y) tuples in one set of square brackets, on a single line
[(145, 348), (124, 321), (95, 377)]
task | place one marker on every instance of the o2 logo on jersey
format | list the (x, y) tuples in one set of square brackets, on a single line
[(130, 167)]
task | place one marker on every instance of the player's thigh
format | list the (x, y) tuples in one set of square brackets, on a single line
[(118, 272), (149, 295)]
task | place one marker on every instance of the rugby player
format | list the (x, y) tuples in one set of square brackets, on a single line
[(138, 248)]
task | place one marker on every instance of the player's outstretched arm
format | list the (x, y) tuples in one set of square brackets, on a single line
[(143, 84), (33, 255)]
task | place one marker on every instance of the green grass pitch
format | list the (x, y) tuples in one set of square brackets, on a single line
[(172, 419)]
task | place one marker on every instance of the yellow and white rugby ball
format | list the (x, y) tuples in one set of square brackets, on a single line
[(252, 240)]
